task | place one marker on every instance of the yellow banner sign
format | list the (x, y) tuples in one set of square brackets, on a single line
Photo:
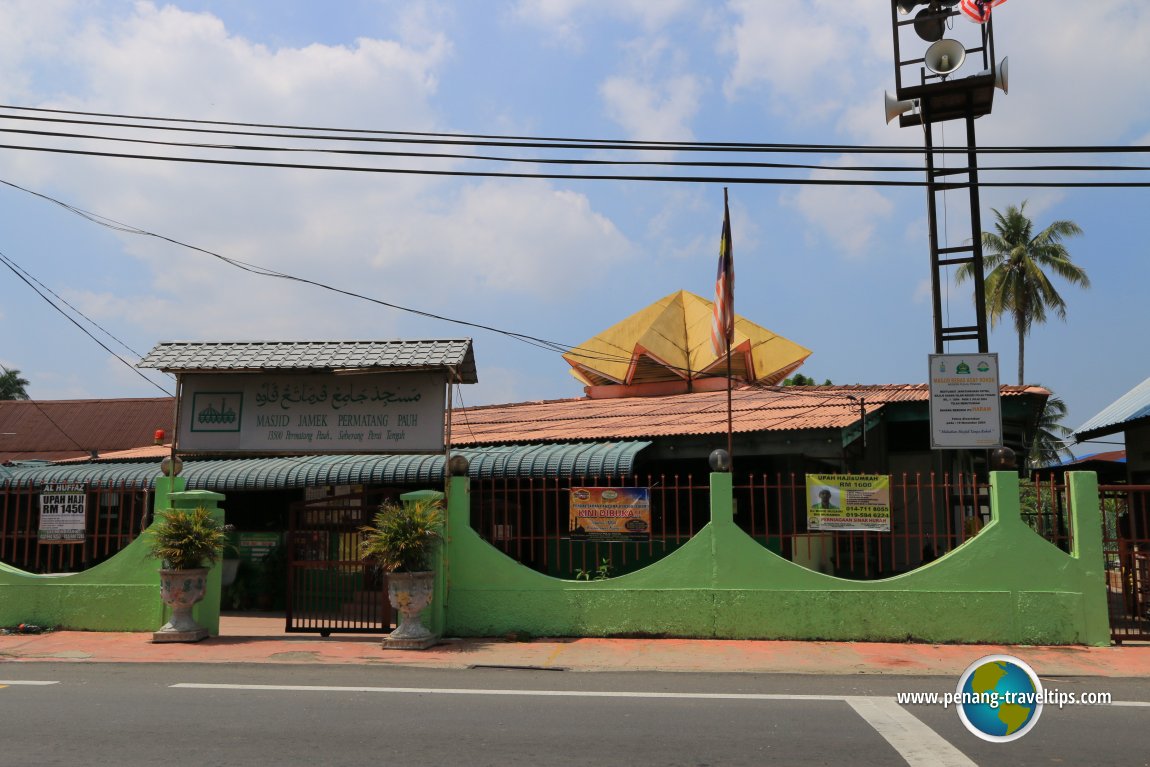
[(610, 513), (848, 502)]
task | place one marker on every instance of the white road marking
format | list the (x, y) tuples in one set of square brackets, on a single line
[(914, 741), (917, 743), (528, 693), (24, 682), (1139, 703)]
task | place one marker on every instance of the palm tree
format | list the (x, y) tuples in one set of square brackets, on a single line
[(12, 385), (1048, 445), (1016, 261)]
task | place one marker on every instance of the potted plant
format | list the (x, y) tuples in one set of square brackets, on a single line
[(186, 541), (401, 540)]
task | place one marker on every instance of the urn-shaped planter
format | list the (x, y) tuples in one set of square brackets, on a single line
[(185, 541), (410, 594), (180, 590), (400, 542)]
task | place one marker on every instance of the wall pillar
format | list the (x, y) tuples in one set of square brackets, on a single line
[(458, 518), (1086, 537), (435, 616), (207, 612)]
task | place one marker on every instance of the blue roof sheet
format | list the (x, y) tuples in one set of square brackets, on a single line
[(1131, 406)]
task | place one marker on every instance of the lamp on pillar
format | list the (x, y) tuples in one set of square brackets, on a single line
[(931, 87)]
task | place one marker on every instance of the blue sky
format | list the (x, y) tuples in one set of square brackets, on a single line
[(843, 271)]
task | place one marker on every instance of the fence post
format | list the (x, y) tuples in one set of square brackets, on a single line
[(435, 611), (458, 518), (1005, 507), (207, 610), (722, 499), (1086, 547)]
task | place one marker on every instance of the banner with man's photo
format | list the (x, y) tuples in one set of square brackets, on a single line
[(848, 502)]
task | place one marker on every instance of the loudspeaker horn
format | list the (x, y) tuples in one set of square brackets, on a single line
[(906, 6), (1001, 80), (929, 25), (944, 57), (894, 107)]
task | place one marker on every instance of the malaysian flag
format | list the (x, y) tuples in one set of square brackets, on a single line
[(978, 11), (723, 319)]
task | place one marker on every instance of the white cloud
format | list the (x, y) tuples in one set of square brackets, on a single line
[(418, 241), (563, 18), (848, 215), (807, 55), (653, 112), (517, 238)]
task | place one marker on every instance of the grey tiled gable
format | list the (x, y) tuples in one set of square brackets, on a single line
[(241, 356)]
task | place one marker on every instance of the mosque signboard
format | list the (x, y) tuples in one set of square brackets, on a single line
[(965, 401), (313, 413)]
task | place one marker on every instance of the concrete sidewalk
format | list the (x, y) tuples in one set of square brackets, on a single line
[(261, 639)]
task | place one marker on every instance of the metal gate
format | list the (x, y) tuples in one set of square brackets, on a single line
[(1126, 544), (329, 590)]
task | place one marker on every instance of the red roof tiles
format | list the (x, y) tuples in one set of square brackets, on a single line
[(54, 430)]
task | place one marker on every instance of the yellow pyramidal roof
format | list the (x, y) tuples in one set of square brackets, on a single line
[(666, 348)]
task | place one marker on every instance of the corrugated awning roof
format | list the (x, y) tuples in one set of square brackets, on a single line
[(252, 356), (230, 475)]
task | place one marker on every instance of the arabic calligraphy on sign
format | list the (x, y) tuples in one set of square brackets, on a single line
[(288, 395)]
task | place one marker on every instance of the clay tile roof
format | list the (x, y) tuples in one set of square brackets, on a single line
[(790, 408), (61, 429)]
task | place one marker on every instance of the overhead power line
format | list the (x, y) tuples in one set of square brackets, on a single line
[(28, 280), (603, 149)]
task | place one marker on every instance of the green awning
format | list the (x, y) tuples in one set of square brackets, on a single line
[(578, 460)]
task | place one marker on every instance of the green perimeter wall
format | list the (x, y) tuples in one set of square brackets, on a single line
[(1006, 585), (121, 594)]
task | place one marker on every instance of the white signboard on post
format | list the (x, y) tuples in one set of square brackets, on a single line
[(965, 401), (63, 513), (318, 413)]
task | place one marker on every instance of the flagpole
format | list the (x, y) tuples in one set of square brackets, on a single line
[(727, 334)]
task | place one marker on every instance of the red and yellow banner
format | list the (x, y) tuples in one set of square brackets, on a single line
[(610, 513)]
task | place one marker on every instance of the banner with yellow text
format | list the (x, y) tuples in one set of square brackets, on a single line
[(610, 514)]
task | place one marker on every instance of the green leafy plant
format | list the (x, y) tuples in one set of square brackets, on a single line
[(184, 540), (402, 537), (601, 573)]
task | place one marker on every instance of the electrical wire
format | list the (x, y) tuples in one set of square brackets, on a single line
[(49, 418), (563, 160), (349, 135), (447, 138), (13, 268), (10, 263)]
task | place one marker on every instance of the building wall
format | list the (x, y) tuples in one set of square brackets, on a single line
[(1138, 454)]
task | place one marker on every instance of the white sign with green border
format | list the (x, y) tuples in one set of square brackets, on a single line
[(965, 401)]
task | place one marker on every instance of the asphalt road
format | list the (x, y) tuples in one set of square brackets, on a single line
[(133, 715)]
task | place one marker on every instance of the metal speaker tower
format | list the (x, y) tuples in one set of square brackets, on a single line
[(946, 70)]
